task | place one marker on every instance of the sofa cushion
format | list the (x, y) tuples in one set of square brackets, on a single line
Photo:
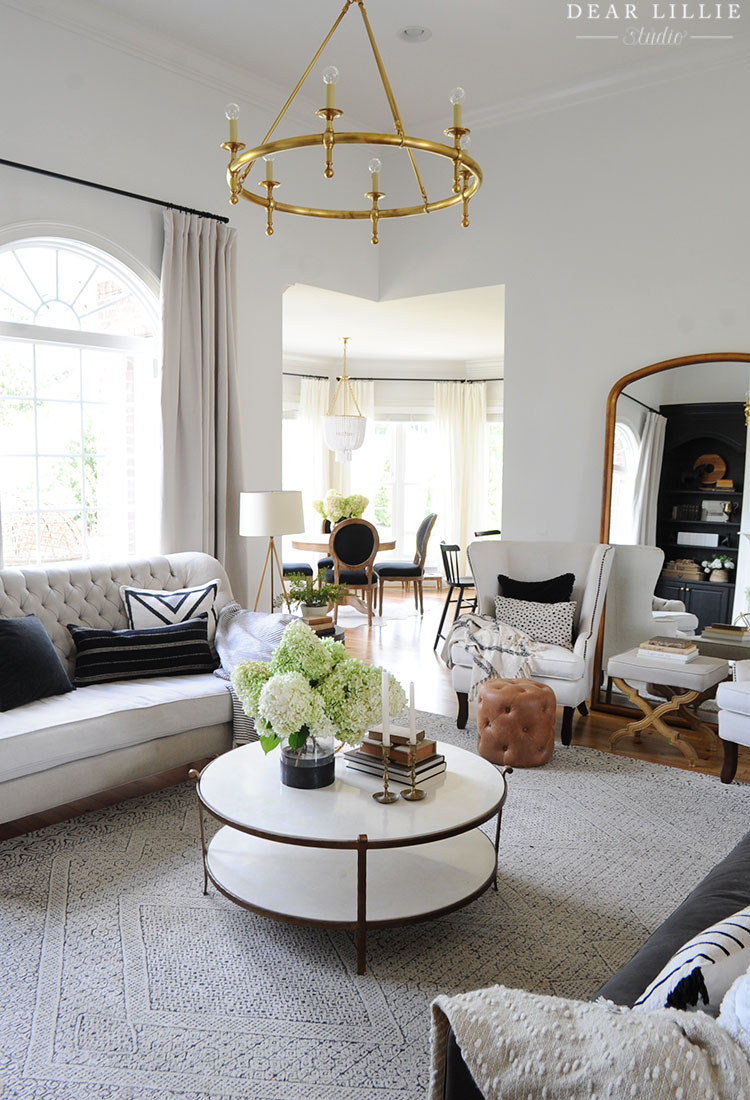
[(544, 622), (552, 590), (148, 607), (105, 656), (701, 971), (29, 667), (101, 717)]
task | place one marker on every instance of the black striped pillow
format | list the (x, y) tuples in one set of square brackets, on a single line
[(104, 656), (701, 972)]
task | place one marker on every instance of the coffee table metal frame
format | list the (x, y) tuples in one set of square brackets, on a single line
[(238, 860)]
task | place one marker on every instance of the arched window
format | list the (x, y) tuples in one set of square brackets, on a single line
[(625, 465), (79, 405)]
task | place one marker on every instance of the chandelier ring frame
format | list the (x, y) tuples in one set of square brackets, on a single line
[(240, 166)]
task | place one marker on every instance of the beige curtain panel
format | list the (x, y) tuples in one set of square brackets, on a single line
[(201, 437)]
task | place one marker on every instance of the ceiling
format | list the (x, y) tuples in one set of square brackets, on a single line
[(509, 55), (465, 326)]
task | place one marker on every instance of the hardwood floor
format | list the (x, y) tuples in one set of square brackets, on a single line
[(402, 643)]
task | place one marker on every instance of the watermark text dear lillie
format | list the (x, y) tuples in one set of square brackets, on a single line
[(694, 21)]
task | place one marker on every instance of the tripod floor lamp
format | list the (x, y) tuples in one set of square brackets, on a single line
[(265, 515)]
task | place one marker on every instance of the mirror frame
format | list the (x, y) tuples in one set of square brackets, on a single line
[(609, 446), (614, 393)]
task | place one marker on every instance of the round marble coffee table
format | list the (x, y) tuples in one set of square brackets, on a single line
[(335, 856)]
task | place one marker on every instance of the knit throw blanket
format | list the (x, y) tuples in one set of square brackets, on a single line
[(525, 1046), (496, 649)]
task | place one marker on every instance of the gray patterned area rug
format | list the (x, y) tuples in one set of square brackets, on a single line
[(121, 981)]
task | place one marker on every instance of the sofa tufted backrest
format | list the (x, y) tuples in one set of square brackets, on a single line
[(89, 594)]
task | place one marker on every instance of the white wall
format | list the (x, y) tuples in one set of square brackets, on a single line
[(620, 229), (79, 105)]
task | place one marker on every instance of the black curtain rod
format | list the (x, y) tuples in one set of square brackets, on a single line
[(113, 190), (641, 403), (353, 378)]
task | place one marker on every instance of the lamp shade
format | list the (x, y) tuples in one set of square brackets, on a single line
[(278, 512)]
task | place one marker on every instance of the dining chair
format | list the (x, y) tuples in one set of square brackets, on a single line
[(325, 563), (353, 545), (457, 586), (288, 568), (409, 571)]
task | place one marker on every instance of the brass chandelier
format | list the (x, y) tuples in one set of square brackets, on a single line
[(467, 175)]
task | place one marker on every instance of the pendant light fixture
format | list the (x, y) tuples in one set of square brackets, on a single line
[(343, 429)]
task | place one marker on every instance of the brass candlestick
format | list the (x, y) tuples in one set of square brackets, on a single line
[(414, 794), (385, 795)]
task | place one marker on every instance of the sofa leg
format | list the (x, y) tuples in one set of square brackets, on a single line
[(583, 709), (566, 730), (463, 709), (730, 761)]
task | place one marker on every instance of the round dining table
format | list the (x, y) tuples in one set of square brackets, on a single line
[(318, 544)]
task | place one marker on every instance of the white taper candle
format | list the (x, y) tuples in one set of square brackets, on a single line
[(385, 687), (412, 719)]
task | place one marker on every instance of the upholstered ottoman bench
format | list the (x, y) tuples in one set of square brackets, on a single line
[(515, 722)]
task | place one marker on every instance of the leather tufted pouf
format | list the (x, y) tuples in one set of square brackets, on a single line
[(515, 722)]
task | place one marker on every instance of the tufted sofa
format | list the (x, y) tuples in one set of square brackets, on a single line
[(71, 746)]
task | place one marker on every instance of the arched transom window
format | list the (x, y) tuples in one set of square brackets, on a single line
[(79, 420)]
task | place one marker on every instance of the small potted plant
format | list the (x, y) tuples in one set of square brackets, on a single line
[(312, 598), (717, 568)]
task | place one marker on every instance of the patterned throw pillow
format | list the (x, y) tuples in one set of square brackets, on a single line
[(544, 622), (105, 656), (701, 972), (147, 607)]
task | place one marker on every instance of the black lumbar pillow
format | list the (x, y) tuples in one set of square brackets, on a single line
[(553, 590), (105, 656), (29, 666)]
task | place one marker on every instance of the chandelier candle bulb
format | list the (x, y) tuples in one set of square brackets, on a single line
[(374, 168), (330, 79), (385, 687), (232, 113), (269, 167), (457, 96)]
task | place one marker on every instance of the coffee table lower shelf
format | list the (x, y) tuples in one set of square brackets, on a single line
[(324, 885)]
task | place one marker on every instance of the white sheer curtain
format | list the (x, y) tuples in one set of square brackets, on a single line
[(647, 478), (315, 475), (201, 437), (460, 421)]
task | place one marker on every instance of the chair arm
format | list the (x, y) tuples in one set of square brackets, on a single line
[(658, 603), (741, 671)]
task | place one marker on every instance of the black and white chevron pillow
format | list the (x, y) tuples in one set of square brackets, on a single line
[(147, 607), (699, 975)]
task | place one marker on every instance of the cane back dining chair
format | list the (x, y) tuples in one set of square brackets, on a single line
[(352, 545), (458, 586), (409, 571)]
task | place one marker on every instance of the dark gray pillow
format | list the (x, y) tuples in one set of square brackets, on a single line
[(29, 666)]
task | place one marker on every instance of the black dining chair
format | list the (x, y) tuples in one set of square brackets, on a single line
[(457, 586), (288, 568), (353, 545), (409, 571)]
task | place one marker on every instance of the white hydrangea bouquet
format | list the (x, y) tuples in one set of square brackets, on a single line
[(335, 506), (310, 688)]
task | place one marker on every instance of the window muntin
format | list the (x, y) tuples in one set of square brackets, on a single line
[(78, 405)]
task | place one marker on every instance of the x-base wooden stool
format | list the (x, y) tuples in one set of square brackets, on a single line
[(683, 686)]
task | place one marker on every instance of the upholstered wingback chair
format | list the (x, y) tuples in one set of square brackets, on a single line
[(568, 672)]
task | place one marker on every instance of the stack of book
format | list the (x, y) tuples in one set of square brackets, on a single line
[(368, 757), (673, 649), (322, 624), (727, 632)]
